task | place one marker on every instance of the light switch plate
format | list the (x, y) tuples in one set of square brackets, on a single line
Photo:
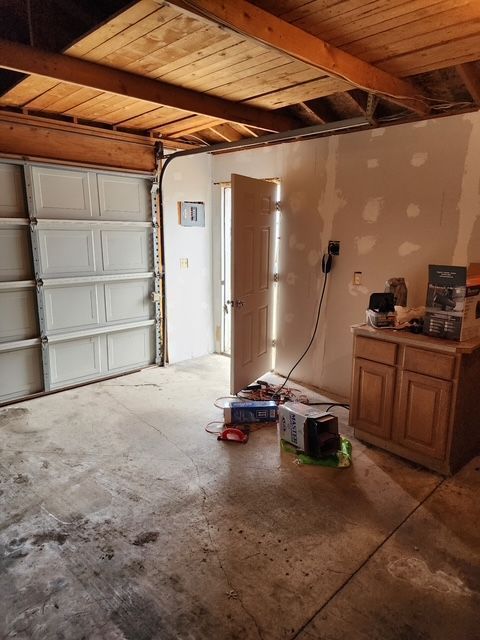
[(183, 263)]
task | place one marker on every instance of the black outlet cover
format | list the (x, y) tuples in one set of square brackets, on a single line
[(334, 247)]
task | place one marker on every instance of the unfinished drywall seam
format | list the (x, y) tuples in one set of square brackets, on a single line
[(469, 202), (330, 203)]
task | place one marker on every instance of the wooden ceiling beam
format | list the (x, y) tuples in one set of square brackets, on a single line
[(43, 138), (306, 114), (253, 22), (25, 59), (362, 103), (228, 133), (245, 131), (471, 79), (321, 108)]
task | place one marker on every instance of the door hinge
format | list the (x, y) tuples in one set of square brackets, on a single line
[(274, 343), (276, 277), (278, 205)]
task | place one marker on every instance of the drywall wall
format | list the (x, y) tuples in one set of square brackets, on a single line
[(188, 290), (397, 199)]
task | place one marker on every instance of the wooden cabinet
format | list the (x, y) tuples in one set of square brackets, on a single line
[(374, 397), (423, 412), (417, 396)]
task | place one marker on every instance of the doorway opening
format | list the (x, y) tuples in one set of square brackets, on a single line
[(225, 277), (226, 269)]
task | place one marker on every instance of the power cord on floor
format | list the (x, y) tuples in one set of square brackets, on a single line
[(313, 334), (266, 391)]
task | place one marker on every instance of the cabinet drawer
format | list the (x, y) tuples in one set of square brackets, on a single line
[(376, 350), (430, 363)]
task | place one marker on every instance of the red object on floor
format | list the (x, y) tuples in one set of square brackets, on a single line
[(233, 435)]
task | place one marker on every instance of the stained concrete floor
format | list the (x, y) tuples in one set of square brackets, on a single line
[(122, 519)]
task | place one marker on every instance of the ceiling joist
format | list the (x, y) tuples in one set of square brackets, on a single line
[(255, 23), (25, 59), (471, 79)]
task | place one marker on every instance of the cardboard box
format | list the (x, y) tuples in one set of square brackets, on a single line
[(312, 431), (453, 302), (247, 412)]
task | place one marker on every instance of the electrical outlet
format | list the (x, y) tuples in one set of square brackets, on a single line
[(334, 247), (357, 278), (183, 263)]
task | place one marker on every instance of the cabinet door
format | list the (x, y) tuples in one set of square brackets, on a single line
[(423, 414), (373, 389)]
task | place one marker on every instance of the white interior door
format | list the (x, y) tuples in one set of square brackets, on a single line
[(253, 255)]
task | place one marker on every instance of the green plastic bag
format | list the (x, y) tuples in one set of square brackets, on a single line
[(343, 457)]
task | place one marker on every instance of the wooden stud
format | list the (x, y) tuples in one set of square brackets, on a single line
[(261, 26), (25, 59)]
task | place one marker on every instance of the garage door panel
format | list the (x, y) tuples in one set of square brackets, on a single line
[(126, 250), (123, 198), (72, 307), (75, 360), (20, 373), (93, 253), (62, 193), (67, 251), (128, 300), (12, 199), (18, 315), (130, 348), (15, 256)]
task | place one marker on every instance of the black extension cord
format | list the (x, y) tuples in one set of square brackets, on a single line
[(326, 266)]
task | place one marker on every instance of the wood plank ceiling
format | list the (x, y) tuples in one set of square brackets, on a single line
[(433, 43)]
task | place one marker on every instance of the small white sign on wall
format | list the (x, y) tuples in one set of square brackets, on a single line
[(191, 214)]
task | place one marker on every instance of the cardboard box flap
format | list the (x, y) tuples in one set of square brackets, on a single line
[(473, 274)]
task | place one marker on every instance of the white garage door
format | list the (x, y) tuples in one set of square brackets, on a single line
[(93, 256), (20, 350)]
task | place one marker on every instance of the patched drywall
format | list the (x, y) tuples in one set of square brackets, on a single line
[(189, 285), (397, 199)]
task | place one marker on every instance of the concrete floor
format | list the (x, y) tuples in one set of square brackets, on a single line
[(122, 519)]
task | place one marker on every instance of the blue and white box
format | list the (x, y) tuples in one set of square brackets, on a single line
[(246, 412)]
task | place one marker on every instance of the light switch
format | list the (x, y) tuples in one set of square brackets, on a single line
[(357, 278), (183, 263)]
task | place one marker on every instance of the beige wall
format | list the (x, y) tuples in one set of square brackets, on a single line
[(189, 291), (396, 198)]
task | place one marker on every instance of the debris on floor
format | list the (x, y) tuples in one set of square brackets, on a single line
[(233, 435), (312, 434), (342, 458), (246, 412), (309, 429)]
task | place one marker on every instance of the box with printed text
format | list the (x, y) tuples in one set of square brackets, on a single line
[(453, 302)]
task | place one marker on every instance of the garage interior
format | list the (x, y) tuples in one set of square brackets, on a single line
[(135, 140)]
